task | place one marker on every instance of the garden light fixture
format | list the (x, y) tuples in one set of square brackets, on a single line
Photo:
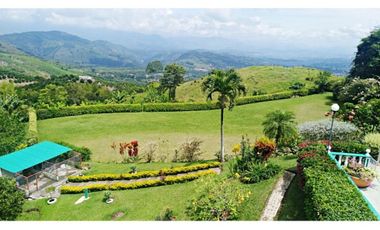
[(334, 109)]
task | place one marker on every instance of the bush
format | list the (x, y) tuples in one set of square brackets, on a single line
[(168, 215), (84, 151), (329, 194), (158, 107), (349, 147), (216, 199), (191, 150), (264, 147), (11, 199), (66, 189), (259, 172), (143, 174), (320, 130)]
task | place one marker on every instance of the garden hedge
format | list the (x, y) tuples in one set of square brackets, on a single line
[(66, 189), (143, 174), (329, 194), (158, 107)]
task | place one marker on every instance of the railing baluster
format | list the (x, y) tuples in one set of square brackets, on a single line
[(346, 161), (340, 160)]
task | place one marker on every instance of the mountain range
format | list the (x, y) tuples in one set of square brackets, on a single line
[(76, 52)]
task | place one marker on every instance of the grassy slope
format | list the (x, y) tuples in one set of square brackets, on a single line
[(270, 79), (147, 203), (32, 66), (170, 129)]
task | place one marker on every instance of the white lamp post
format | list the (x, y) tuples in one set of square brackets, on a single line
[(334, 109)]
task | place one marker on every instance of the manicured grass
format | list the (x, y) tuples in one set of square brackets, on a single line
[(292, 207), (170, 129), (146, 203)]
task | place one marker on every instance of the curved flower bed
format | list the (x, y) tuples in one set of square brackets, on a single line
[(143, 174), (138, 184)]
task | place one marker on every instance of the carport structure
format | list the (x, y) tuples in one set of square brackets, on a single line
[(39, 165)]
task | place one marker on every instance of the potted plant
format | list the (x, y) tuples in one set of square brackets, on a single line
[(108, 197), (361, 175), (51, 199)]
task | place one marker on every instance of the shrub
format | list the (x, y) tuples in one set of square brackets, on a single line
[(216, 199), (264, 147), (373, 140), (11, 199), (150, 152), (84, 151), (259, 172), (167, 215), (143, 174), (320, 130), (349, 147), (191, 150), (66, 189), (329, 195)]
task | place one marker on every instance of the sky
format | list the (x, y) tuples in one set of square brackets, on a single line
[(330, 32)]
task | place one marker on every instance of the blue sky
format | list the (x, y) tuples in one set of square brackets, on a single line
[(303, 29)]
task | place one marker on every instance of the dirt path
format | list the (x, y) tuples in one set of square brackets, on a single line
[(217, 170)]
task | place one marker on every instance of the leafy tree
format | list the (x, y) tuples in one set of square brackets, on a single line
[(365, 116), (154, 67), (366, 63), (281, 126), (12, 132), (358, 91), (52, 96), (173, 76), (228, 86), (322, 81), (153, 94), (11, 199)]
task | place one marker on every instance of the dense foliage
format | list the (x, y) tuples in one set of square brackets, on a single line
[(216, 199), (154, 67), (85, 152), (329, 195), (11, 199), (366, 63), (12, 133), (173, 76)]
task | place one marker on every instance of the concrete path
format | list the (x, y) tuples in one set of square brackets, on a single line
[(372, 193), (275, 199)]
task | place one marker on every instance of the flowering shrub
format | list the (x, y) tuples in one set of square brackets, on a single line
[(143, 174), (216, 199), (264, 147), (320, 130), (131, 148), (66, 189)]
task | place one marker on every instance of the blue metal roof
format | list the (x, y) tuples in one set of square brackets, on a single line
[(31, 156)]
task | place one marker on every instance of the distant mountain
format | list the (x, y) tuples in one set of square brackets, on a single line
[(72, 50), (15, 64)]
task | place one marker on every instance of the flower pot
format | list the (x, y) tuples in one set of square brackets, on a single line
[(109, 201), (52, 201), (361, 183)]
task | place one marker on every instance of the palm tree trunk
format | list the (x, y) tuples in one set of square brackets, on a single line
[(222, 135)]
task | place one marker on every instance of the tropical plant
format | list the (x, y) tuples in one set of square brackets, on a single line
[(358, 170), (264, 148), (228, 86), (281, 126), (11, 199), (107, 196)]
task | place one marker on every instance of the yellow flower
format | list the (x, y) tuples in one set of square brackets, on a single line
[(236, 148)]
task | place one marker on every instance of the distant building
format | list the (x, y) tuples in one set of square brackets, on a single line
[(87, 79)]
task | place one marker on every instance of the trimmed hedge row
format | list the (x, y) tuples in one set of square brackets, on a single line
[(143, 174), (329, 194), (158, 107), (135, 185)]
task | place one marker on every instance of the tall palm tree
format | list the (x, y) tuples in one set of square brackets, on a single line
[(228, 86), (281, 126)]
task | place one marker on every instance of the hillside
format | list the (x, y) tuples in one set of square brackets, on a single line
[(72, 50), (267, 79), (14, 64)]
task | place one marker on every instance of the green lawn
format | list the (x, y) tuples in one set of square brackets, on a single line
[(170, 129), (292, 207), (146, 203), (268, 79)]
